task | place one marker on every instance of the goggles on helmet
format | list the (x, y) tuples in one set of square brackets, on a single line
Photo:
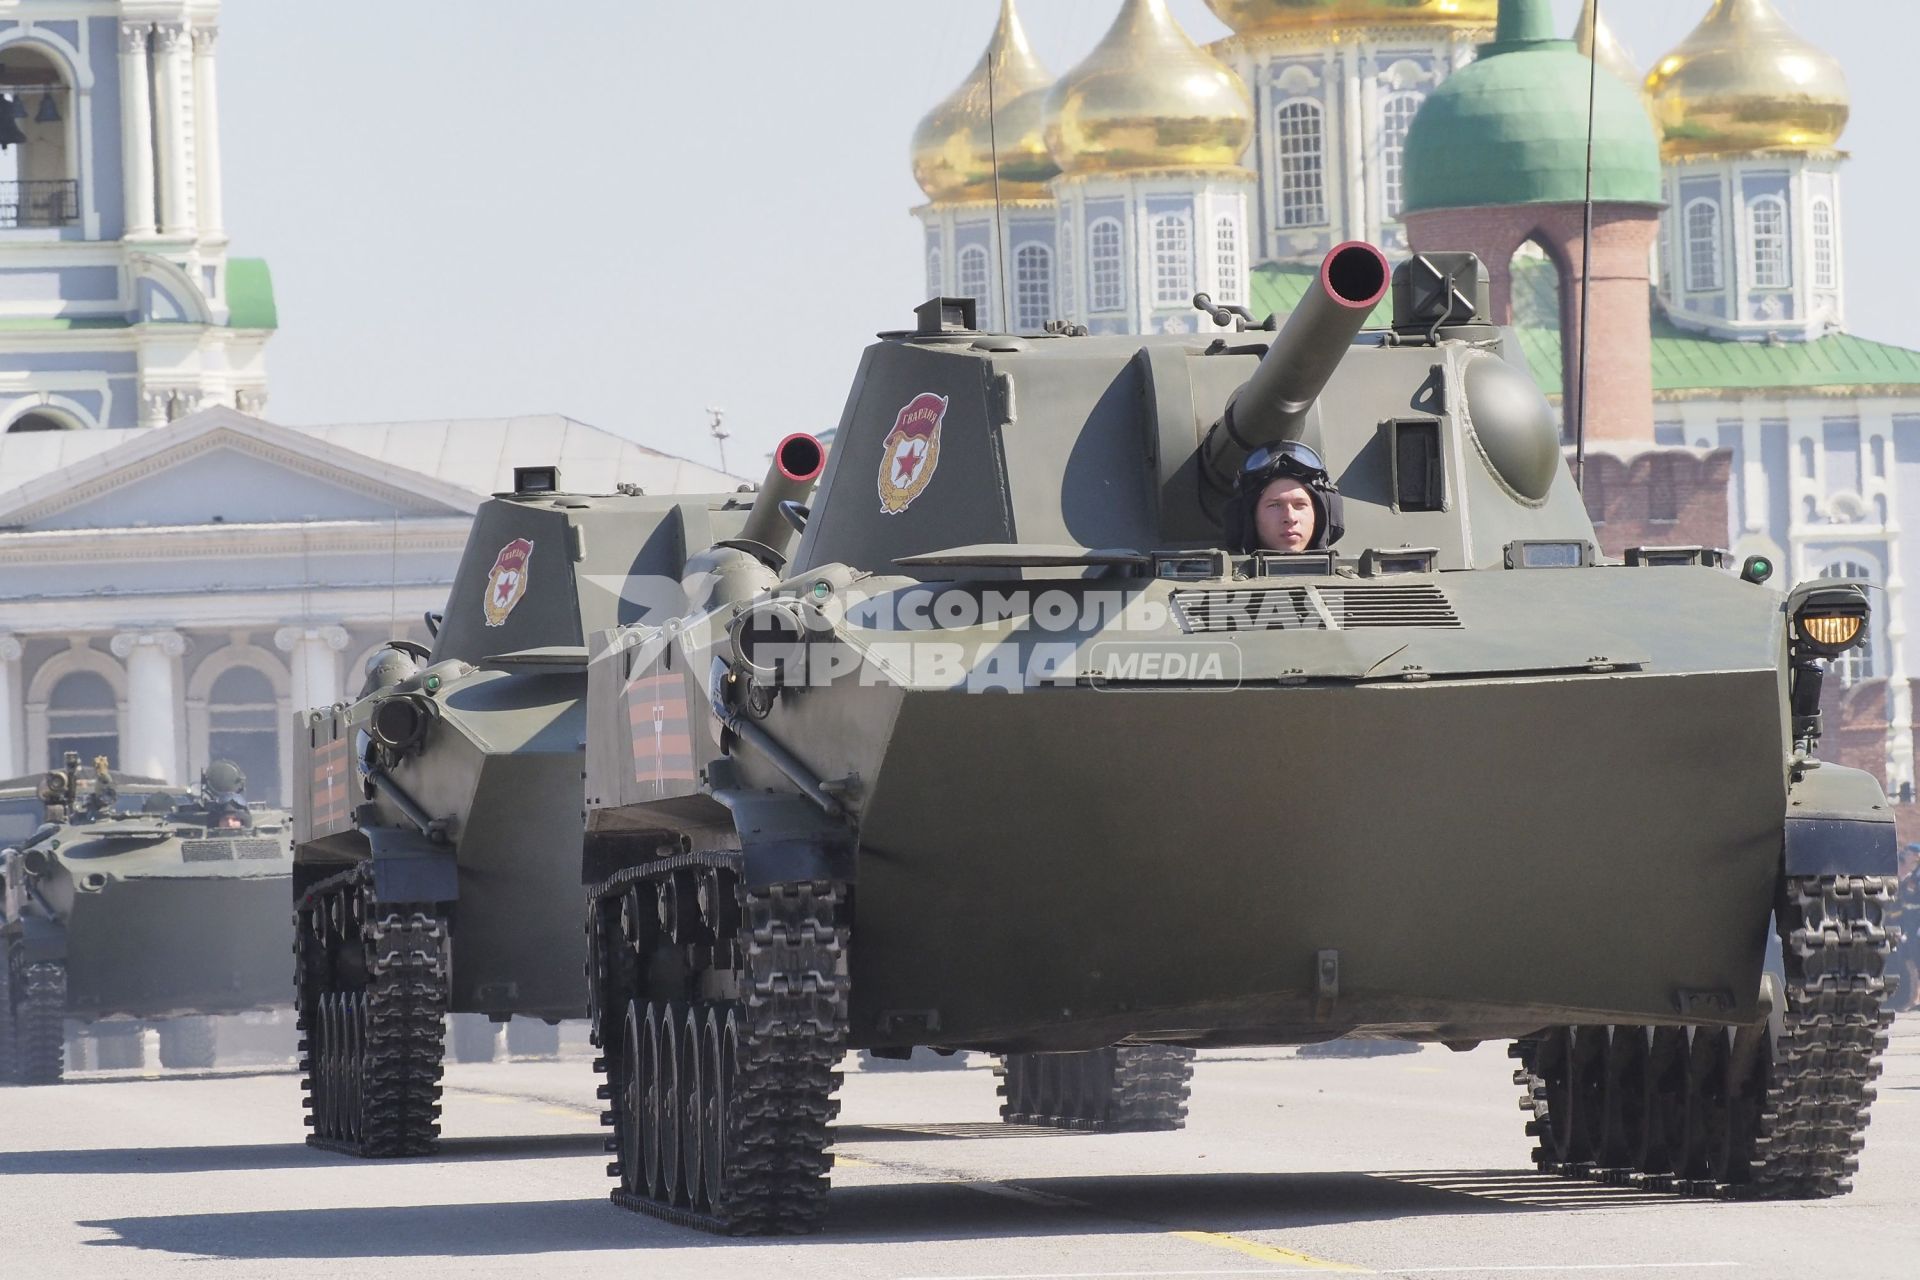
[(1288, 458)]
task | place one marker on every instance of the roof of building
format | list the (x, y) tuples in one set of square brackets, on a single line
[(1510, 128), (1682, 361), (1741, 82), (477, 455), (250, 302), (1264, 17), (956, 144)]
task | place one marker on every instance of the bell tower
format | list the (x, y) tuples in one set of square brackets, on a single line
[(119, 303)]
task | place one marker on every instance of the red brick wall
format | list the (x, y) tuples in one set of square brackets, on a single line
[(1620, 357), (1658, 497)]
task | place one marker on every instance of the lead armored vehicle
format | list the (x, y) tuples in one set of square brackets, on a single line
[(1023, 748), (437, 831), (135, 902)]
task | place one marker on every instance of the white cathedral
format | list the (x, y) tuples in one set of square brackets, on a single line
[(177, 574), (1157, 168)]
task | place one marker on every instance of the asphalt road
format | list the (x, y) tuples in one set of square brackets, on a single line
[(1406, 1165)]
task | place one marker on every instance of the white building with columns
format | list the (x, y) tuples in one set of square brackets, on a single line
[(170, 596)]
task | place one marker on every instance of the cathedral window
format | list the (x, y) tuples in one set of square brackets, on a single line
[(1825, 268), (38, 187), (1032, 287), (243, 725), (934, 285), (1172, 260), (1703, 245), (1300, 136), (1396, 117), (82, 716), (1767, 223), (1226, 252), (1106, 275), (973, 281), (1069, 301), (1857, 663)]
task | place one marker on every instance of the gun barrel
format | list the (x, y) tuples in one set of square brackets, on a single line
[(797, 463), (1272, 405)]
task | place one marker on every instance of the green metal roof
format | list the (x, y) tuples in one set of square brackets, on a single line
[(1511, 127), (1682, 361), (250, 295)]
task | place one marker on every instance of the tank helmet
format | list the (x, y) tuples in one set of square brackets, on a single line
[(1292, 460), (222, 779)]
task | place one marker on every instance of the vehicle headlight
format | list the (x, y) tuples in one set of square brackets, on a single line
[(1830, 618)]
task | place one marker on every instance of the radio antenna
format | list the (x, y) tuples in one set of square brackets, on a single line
[(999, 218), (1586, 258)]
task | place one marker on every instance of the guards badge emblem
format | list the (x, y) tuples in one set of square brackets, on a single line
[(910, 452), (507, 581)]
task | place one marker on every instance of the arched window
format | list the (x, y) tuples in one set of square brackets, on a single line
[(1172, 260), (1107, 276), (1767, 224), (973, 282), (1806, 457), (935, 283), (38, 187), (1535, 289), (243, 725), (1854, 664), (1396, 117), (1226, 254), (82, 716), (1826, 274), (1032, 287), (1299, 130), (1703, 245), (39, 422)]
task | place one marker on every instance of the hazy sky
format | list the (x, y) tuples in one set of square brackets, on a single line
[(628, 210)]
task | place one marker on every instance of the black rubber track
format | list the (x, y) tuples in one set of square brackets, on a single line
[(1785, 1120), (371, 1045), (33, 1045), (1122, 1089), (744, 1149)]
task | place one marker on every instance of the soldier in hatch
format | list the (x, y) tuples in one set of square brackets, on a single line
[(1284, 500), (222, 801)]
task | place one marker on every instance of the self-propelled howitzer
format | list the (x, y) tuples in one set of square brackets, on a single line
[(1016, 754)]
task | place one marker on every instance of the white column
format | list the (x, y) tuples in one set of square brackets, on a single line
[(13, 756), (206, 121), (169, 47), (136, 129), (151, 748), (314, 655)]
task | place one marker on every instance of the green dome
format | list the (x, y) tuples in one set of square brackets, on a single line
[(1511, 128)]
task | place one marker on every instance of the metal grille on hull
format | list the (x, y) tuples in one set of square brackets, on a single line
[(1315, 608), (206, 851)]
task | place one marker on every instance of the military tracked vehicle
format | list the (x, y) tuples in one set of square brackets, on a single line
[(1019, 751), (437, 826), (132, 901)]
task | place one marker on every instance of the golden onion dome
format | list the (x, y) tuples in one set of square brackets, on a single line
[(1265, 17), (1593, 33), (1743, 81), (955, 144), (1148, 98)]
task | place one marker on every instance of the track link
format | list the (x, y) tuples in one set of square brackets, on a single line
[(1705, 1111), (33, 1046), (1121, 1089), (372, 982), (721, 1013)]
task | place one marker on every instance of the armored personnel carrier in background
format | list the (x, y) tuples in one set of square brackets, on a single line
[(437, 823), (1021, 751), (132, 902)]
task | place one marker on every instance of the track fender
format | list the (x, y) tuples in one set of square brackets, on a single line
[(787, 838), (408, 867), (1839, 823)]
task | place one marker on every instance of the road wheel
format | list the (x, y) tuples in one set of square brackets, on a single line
[(693, 1122), (671, 1109)]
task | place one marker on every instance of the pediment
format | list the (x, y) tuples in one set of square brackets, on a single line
[(222, 467)]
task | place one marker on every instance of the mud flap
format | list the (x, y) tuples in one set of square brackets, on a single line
[(408, 867), (784, 838), (1839, 823)]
